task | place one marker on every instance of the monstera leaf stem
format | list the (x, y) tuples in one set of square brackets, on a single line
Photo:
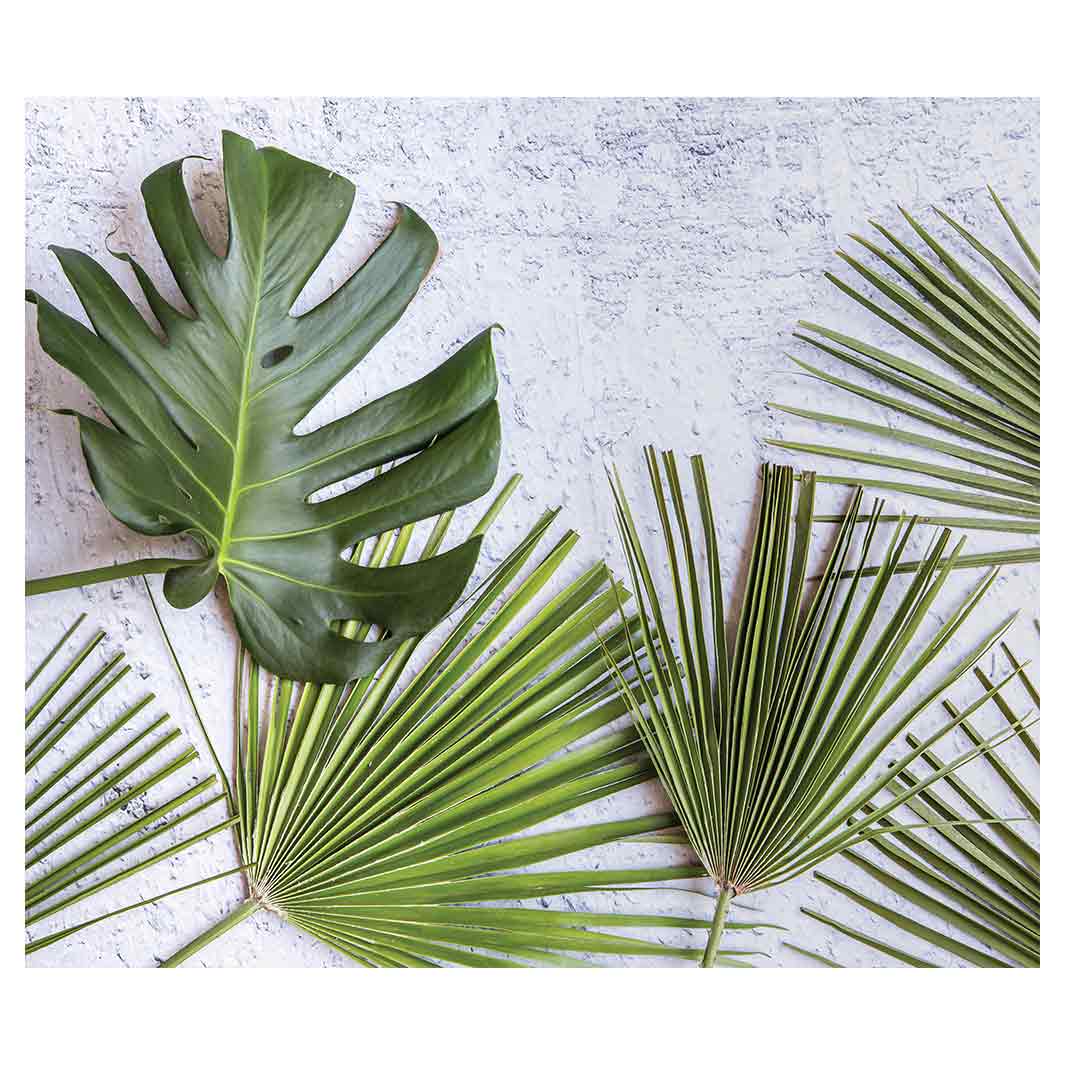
[(78, 579)]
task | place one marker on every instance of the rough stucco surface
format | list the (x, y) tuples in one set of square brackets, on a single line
[(648, 259)]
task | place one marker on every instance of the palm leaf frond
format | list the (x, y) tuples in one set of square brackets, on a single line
[(765, 741), (983, 886), (983, 406), (403, 819), (103, 803)]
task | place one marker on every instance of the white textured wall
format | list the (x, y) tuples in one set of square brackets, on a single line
[(648, 259)]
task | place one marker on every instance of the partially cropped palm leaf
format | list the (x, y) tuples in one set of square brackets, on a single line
[(982, 401), (763, 742), (204, 416), (397, 819), (982, 884), (102, 804)]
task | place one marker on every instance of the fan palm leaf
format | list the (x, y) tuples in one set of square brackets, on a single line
[(982, 885), (400, 819), (102, 795), (984, 406), (765, 742)]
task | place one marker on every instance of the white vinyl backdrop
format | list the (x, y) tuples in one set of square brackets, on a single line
[(648, 260)]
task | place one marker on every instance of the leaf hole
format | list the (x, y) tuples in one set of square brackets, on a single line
[(272, 358)]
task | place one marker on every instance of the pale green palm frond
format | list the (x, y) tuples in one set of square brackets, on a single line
[(109, 793), (765, 742), (981, 884), (400, 819), (983, 408)]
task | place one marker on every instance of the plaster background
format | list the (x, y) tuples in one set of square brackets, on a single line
[(648, 258)]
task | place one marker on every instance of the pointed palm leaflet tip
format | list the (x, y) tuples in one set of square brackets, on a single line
[(203, 439)]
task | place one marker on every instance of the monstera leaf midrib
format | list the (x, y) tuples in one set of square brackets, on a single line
[(206, 416), (238, 445), (242, 422)]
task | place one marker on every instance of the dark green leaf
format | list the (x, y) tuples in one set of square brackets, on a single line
[(204, 416)]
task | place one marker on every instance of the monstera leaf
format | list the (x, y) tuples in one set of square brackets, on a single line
[(204, 417)]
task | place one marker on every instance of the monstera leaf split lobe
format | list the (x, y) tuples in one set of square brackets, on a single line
[(203, 418)]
